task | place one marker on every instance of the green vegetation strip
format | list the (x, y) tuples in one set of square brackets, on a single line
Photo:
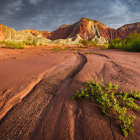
[(58, 49), (130, 43), (113, 102), (88, 43), (11, 45)]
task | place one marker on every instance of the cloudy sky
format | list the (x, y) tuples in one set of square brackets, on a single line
[(50, 14)]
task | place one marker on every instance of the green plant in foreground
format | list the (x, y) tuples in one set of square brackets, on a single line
[(113, 103)]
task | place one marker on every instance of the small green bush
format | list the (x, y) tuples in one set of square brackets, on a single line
[(130, 43), (34, 42), (63, 48), (55, 49), (88, 43), (113, 103), (30, 41), (85, 42), (105, 46)]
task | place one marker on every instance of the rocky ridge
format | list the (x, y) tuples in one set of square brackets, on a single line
[(70, 34)]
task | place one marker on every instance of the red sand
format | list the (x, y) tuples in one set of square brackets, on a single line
[(48, 80)]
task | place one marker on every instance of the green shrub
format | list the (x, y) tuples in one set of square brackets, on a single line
[(130, 43), (115, 44), (113, 103), (63, 48), (55, 49), (85, 42), (34, 42), (88, 43), (12, 45), (93, 43), (105, 46), (58, 49), (30, 41), (2, 42)]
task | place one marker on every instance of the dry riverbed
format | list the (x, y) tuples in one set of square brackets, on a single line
[(36, 85)]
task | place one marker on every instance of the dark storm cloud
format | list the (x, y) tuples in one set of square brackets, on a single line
[(50, 14)]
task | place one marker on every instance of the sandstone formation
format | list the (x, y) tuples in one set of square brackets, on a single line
[(86, 28), (108, 33), (92, 29), (31, 31), (127, 29), (36, 32), (67, 34), (8, 32), (69, 41), (2, 36)]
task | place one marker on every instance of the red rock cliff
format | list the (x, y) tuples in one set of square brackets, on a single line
[(86, 28), (127, 29)]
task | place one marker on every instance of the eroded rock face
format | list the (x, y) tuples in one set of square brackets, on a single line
[(63, 32), (31, 31), (69, 41), (107, 33), (89, 29), (122, 32), (2, 36), (127, 29), (9, 33), (36, 33), (46, 34), (85, 28)]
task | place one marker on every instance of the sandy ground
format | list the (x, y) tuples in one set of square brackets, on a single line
[(36, 85)]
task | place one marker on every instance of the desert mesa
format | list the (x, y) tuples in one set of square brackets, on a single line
[(70, 34)]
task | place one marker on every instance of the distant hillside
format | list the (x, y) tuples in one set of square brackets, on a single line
[(84, 29), (127, 29), (88, 29)]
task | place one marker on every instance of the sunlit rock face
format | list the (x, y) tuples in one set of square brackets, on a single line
[(86, 28), (92, 29), (2, 36), (8, 32), (127, 29), (83, 29)]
